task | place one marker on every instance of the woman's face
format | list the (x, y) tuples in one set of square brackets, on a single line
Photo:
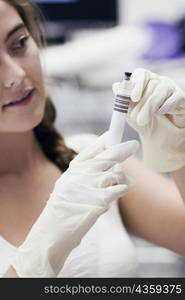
[(22, 93)]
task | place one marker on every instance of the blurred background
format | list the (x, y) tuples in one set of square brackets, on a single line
[(91, 43)]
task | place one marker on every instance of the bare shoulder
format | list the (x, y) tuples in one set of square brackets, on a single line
[(149, 186), (144, 176)]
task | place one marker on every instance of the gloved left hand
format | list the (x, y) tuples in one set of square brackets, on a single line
[(157, 112), (80, 196)]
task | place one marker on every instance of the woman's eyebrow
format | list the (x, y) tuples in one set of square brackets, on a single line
[(14, 30)]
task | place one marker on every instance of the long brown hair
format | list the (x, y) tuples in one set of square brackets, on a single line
[(51, 142)]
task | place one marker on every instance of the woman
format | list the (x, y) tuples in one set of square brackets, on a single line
[(34, 156), (45, 231)]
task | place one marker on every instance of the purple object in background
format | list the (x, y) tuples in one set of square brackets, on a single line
[(166, 41)]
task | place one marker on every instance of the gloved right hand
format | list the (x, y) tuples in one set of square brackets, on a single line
[(157, 113), (80, 196)]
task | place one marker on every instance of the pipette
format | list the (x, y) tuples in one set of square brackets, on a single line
[(121, 104)]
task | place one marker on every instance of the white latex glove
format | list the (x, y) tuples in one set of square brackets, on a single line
[(80, 196), (157, 112)]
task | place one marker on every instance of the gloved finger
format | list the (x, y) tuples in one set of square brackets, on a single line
[(174, 104), (117, 153), (116, 88), (96, 165), (113, 178), (178, 120), (150, 107), (93, 167), (89, 152), (140, 78), (149, 90), (118, 168), (131, 106), (115, 192), (100, 179), (128, 179)]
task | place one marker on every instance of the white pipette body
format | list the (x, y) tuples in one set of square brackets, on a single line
[(120, 110)]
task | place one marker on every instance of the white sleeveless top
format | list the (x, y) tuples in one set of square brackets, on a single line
[(105, 251)]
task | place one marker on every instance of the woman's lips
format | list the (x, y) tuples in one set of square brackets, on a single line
[(24, 101)]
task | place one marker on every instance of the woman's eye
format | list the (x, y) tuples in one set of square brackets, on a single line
[(20, 44)]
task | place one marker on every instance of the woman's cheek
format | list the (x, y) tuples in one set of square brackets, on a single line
[(33, 66)]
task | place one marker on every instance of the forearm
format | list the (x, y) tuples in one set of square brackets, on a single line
[(179, 178), (11, 273), (153, 209)]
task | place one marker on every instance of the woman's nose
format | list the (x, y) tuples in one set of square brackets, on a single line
[(12, 73)]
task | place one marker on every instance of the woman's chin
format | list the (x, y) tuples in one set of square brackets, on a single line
[(24, 125)]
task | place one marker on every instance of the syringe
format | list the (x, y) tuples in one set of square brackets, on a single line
[(120, 110)]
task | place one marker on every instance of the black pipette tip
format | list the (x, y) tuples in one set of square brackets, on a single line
[(127, 75)]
